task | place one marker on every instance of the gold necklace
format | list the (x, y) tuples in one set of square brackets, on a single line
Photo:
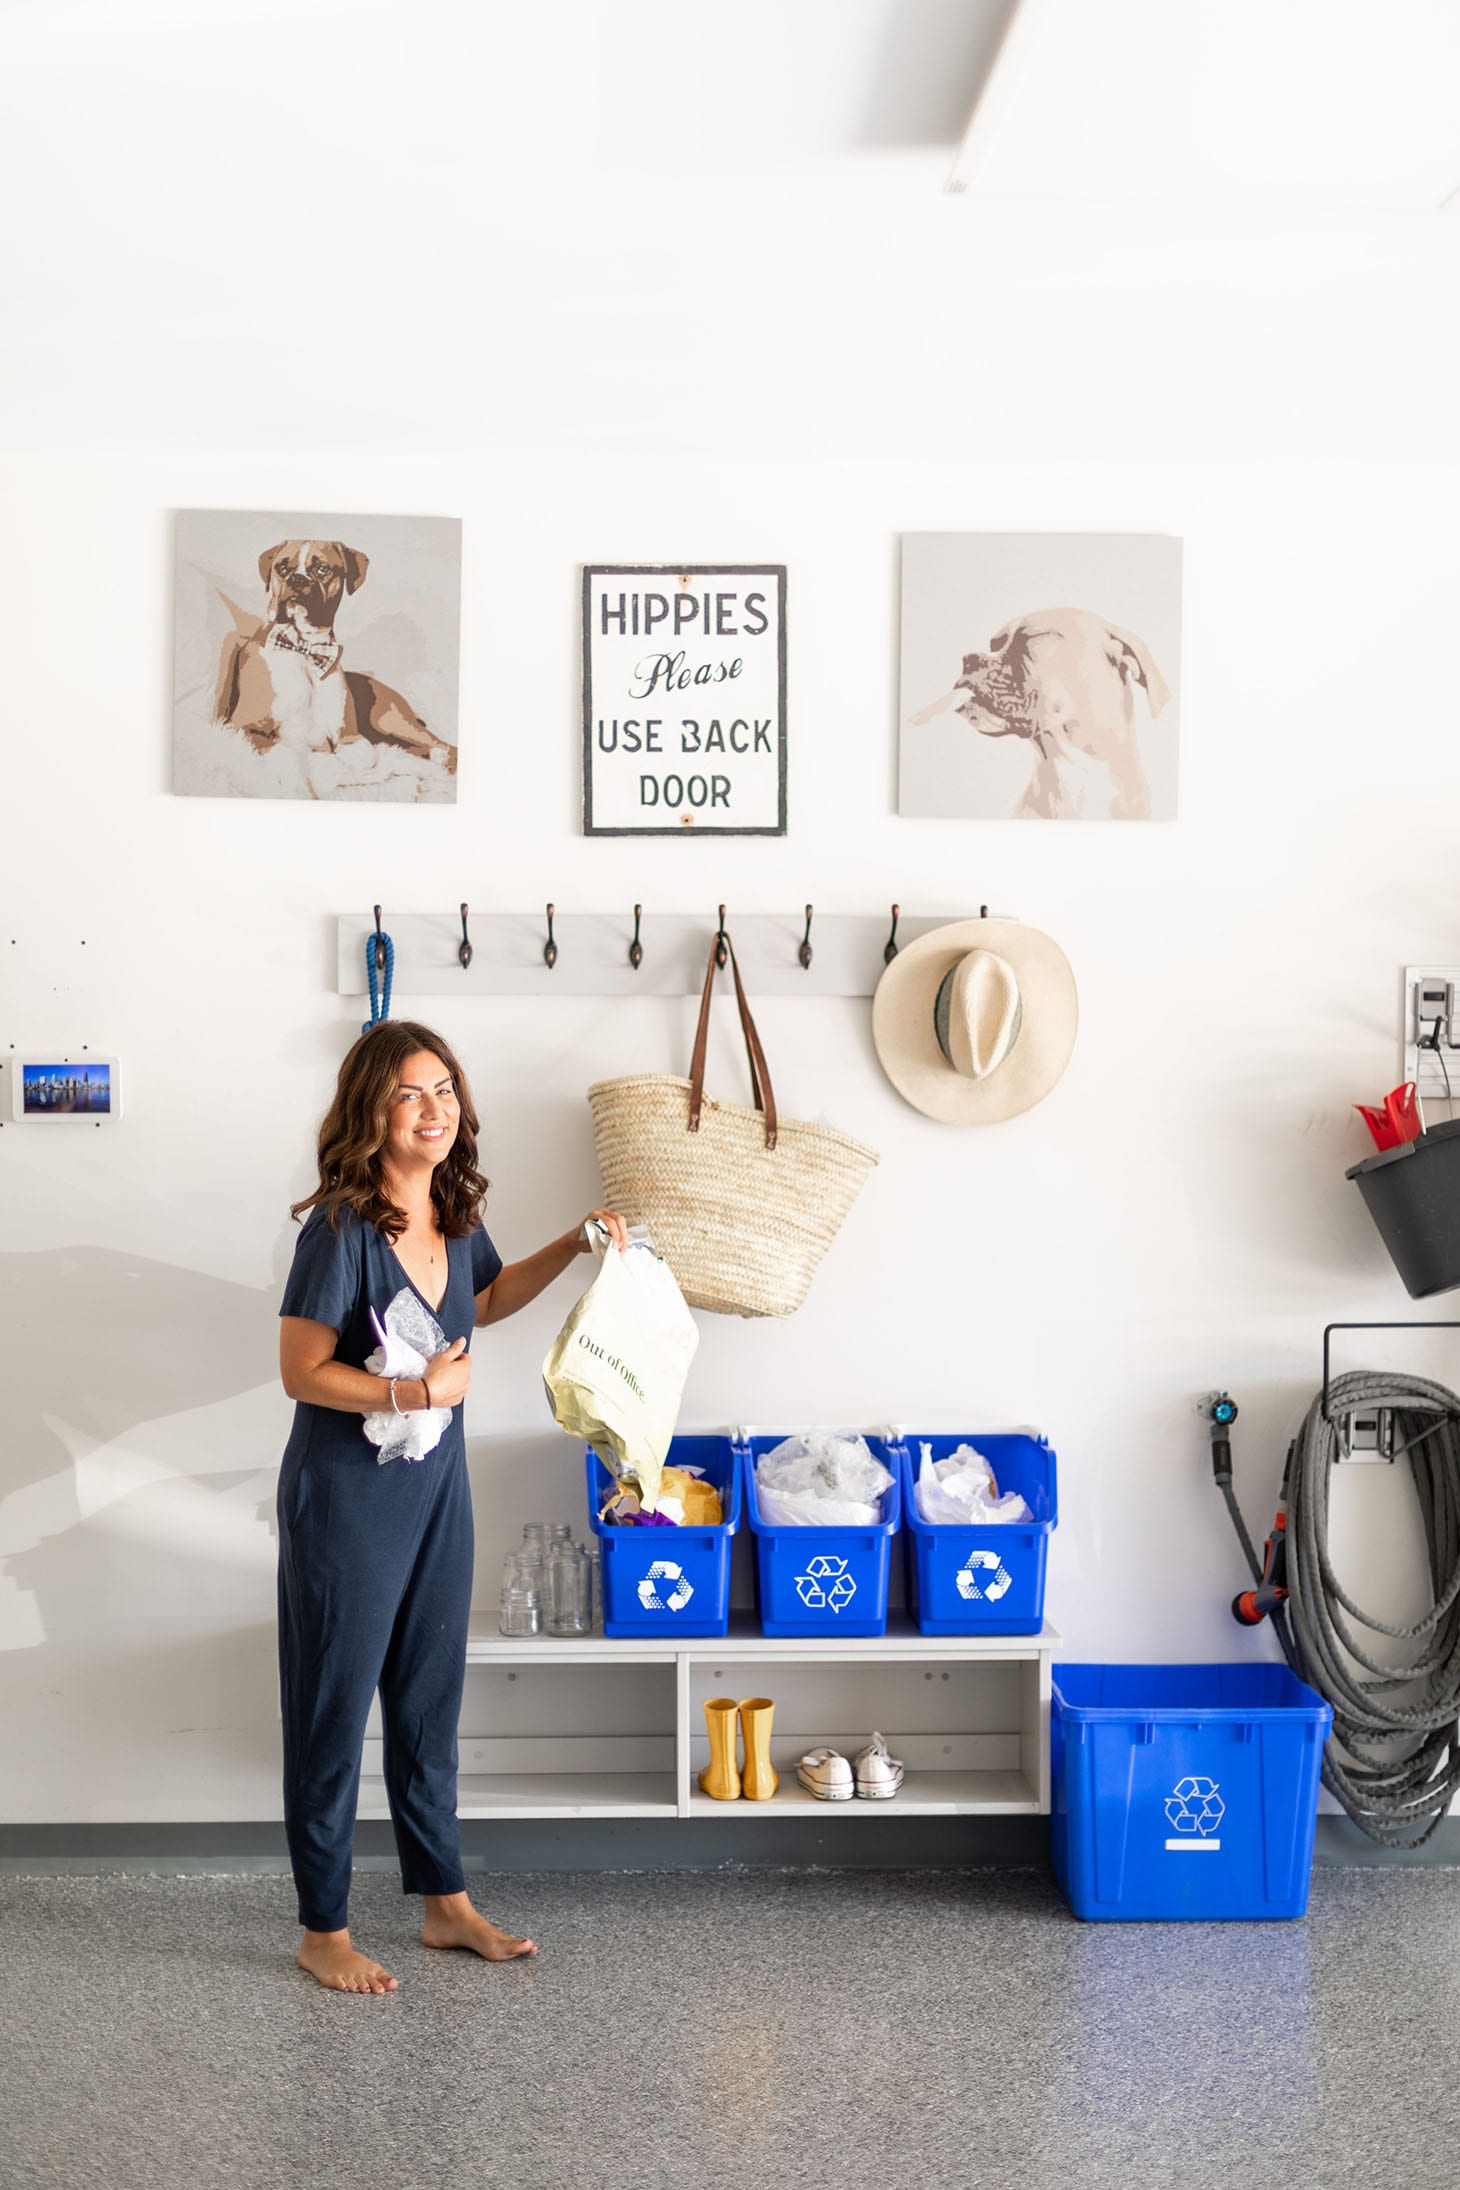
[(432, 1238)]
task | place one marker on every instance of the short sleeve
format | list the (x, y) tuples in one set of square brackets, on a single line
[(324, 1282), (485, 1261)]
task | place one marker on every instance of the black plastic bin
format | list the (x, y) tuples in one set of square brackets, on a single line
[(1413, 1193)]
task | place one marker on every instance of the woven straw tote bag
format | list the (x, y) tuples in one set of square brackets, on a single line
[(742, 1204)]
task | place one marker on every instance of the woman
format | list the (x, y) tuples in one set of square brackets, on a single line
[(375, 1523)]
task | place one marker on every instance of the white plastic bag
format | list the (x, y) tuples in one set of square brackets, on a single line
[(409, 1338), (964, 1490), (615, 1372), (818, 1480)]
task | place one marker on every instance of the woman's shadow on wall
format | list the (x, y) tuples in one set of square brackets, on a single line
[(145, 1421)]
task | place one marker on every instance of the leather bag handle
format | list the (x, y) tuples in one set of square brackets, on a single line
[(760, 1078)]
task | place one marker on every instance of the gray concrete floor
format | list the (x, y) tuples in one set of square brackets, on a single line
[(833, 2027)]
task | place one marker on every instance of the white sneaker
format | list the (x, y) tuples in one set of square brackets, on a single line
[(825, 1774), (878, 1775)]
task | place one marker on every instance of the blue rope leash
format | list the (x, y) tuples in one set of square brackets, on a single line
[(379, 1008)]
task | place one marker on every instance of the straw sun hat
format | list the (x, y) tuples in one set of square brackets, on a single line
[(976, 1021)]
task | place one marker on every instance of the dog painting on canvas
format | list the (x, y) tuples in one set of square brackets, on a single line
[(296, 706), (1013, 712), (1066, 681)]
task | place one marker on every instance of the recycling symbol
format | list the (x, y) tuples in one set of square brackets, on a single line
[(675, 1598), (969, 1587), (1195, 1808), (826, 1582)]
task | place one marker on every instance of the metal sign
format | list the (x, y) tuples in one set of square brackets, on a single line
[(684, 700)]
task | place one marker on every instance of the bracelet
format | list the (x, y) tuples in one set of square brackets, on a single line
[(430, 1402), (393, 1400)]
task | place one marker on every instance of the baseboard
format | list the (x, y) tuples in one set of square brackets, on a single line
[(587, 1844), (1338, 1843), (574, 1844)]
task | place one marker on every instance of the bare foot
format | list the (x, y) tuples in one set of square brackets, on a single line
[(329, 1956), (451, 1921)]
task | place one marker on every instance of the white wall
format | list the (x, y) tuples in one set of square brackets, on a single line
[(403, 273)]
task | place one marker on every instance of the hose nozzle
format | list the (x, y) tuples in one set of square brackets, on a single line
[(1250, 1607)]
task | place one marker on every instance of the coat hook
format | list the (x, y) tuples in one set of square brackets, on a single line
[(550, 948), (464, 953), (804, 954), (889, 948), (636, 948), (379, 944), (721, 942)]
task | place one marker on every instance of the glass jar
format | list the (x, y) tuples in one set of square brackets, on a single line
[(570, 1591), (594, 1564), (520, 1611), (533, 1551)]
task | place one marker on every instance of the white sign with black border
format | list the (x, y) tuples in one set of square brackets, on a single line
[(684, 699)]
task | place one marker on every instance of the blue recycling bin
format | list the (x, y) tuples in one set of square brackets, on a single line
[(1186, 1792), (980, 1580), (663, 1583), (821, 1581)]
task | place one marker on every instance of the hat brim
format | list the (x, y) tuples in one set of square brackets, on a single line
[(902, 1023)]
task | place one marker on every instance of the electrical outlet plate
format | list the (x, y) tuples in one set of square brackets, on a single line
[(1441, 983)]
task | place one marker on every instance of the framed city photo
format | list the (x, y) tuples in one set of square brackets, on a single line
[(86, 1090), (684, 699)]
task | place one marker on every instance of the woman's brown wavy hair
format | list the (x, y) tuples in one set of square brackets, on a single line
[(354, 1128)]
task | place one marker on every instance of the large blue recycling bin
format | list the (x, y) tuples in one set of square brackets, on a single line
[(821, 1581), (980, 1581), (667, 1582), (1184, 1791)]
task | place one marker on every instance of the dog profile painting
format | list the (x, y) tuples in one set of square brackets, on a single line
[(316, 656), (1015, 710)]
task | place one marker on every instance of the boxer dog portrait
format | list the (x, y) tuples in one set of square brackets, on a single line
[(282, 679), (1064, 680)]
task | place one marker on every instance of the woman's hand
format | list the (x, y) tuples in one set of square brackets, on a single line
[(448, 1375), (618, 1230)]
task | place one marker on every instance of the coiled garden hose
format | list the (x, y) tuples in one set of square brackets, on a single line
[(1393, 1758)]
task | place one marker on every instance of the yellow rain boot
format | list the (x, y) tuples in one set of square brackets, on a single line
[(722, 1777), (761, 1782)]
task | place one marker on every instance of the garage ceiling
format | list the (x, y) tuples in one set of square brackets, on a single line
[(1251, 102), (1342, 103)]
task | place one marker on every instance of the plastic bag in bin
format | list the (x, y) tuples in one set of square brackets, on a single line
[(964, 1490), (819, 1480)]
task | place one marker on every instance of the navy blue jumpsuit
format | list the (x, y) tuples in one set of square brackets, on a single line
[(375, 1578)]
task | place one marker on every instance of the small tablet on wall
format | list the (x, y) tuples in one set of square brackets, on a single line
[(87, 1090)]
